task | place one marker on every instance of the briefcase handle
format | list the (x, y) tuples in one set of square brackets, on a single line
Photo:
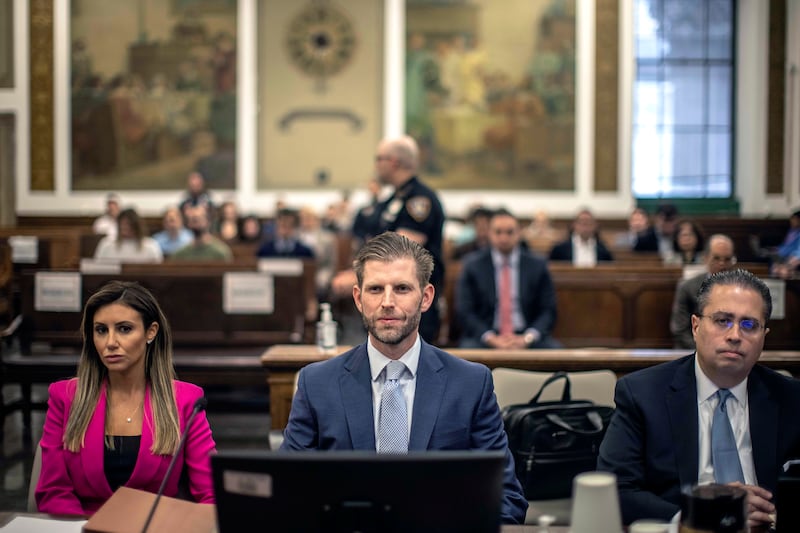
[(594, 418), (565, 396)]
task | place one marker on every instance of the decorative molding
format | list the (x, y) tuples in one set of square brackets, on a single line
[(776, 94), (42, 122), (7, 164), (6, 44), (606, 85)]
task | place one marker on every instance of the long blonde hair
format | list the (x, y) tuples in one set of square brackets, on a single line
[(159, 372)]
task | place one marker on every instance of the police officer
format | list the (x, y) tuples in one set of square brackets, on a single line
[(412, 210)]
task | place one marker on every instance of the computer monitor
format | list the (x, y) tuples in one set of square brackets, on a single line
[(337, 491)]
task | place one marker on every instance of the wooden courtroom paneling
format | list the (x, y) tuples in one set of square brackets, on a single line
[(192, 299)]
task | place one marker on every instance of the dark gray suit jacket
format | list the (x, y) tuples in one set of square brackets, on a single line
[(476, 296), (454, 409), (651, 443)]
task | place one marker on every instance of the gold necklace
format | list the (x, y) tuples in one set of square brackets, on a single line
[(130, 416)]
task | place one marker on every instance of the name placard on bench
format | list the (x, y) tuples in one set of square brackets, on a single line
[(57, 291), (248, 293)]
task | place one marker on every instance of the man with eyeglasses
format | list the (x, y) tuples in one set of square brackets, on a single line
[(719, 256), (711, 417)]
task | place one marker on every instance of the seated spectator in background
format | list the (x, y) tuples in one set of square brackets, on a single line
[(540, 235), (286, 242), (250, 229), (478, 219), (666, 223), (339, 215), (196, 195), (227, 225), (505, 298), (106, 224), (131, 243), (204, 247), (641, 235), (362, 222), (719, 256), (323, 243), (789, 250), (687, 244), (669, 420), (174, 236), (584, 247)]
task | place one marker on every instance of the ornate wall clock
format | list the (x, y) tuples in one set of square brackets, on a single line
[(321, 39)]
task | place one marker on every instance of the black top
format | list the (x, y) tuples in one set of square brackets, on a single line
[(119, 462)]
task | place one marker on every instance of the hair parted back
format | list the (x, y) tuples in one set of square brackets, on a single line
[(391, 246), (159, 372), (740, 278)]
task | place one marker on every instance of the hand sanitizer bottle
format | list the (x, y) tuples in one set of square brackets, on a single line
[(326, 330)]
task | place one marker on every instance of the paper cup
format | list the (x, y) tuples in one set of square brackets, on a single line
[(595, 503)]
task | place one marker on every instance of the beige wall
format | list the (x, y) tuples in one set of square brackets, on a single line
[(293, 157)]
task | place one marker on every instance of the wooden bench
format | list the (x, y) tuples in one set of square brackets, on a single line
[(624, 305), (284, 361), (191, 295)]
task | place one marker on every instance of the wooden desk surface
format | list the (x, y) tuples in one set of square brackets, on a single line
[(7, 516), (283, 360)]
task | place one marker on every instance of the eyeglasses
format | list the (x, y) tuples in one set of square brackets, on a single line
[(748, 326)]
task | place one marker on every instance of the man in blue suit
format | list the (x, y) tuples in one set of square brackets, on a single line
[(450, 402), (532, 295), (662, 437)]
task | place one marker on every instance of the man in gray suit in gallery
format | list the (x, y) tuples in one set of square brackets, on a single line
[(719, 256)]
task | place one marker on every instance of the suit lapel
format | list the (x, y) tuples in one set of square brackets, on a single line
[(355, 386), (681, 404), (431, 381), (93, 453), (763, 430)]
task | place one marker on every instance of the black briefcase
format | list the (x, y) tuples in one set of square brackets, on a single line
[(552, 442)]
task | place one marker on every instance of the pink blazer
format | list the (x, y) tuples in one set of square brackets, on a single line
[(75, 483)]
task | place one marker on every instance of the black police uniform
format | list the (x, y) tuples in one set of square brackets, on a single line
[(414, 206)]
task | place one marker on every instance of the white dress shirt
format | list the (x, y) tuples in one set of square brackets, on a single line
[(739, 414), (408, 381), (584, 253)]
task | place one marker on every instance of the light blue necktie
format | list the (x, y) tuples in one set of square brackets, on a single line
[(392, 419), (724, 454)]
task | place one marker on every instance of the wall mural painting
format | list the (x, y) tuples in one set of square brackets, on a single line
[(153, 93), (490, 92)]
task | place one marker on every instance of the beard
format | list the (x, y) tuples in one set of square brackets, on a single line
[(393, 336)]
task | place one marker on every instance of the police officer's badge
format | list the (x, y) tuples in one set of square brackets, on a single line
[(419, 207)]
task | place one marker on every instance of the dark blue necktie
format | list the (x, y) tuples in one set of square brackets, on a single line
[(724, 453)]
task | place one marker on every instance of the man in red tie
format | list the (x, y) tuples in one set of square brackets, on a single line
[(505, 297)]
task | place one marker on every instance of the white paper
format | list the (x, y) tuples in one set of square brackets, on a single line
[(93, 266), (24, 249), (248, 293), (281, 266), (29, 524), (777, 289), (57, 291)]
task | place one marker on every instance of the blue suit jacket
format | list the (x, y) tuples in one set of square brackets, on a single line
[(476, 296), (652, 440), (454, 409)]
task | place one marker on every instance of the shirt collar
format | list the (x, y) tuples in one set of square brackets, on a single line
[(498, 258), (378, 361), (706, 388)]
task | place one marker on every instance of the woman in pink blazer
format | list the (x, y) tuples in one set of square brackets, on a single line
[(119, 422)]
